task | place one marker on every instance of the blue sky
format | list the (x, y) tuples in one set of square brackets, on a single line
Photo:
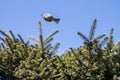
[(21, 16)]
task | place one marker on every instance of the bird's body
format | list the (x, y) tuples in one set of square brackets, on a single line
[(48, 17)]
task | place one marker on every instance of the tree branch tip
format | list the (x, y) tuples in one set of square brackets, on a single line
[(39, 22), (95, 19), (78, 32)]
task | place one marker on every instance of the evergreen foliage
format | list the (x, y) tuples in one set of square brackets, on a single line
[(98, 58)]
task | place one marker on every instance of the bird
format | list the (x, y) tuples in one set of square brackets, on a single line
[(48, 17)]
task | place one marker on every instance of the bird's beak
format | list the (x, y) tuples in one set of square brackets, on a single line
[(41, 14)]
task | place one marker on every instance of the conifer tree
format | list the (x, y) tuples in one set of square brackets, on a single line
[(98, 58), (39, 64), (11, 53)]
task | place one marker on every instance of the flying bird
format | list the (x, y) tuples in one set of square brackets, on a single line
[(48, 17)]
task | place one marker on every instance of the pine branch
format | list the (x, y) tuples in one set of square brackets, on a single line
[(2, 39), (110, 36), (54, 49), (41, 37), (83, 37), (21, 39), (115, 46), (110, 43), (5, 34), (47, 41), (2, 68), (2, 45), (34, 39), (99, 37), (92, 30), (103, 41), (9, 45), (49, 38), (12, 36), (48, 48), (24, 49)]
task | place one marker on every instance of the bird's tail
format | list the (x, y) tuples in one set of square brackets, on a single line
[(56, 20)]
